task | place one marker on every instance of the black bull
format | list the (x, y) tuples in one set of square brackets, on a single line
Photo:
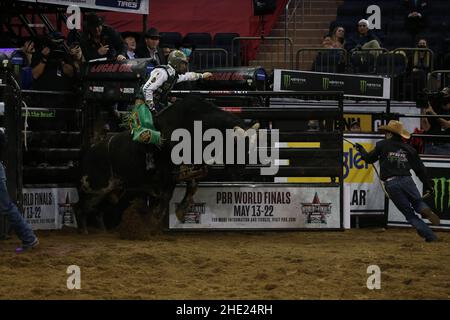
[(117, 164)]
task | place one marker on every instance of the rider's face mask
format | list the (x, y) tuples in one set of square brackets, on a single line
[(187, 51)]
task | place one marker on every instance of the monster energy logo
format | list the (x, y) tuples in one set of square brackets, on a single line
[(363, 86), (286, 81), (439, 193), (325, 83)]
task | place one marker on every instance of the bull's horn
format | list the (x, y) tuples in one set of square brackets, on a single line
[(255, 126), (239, 130)]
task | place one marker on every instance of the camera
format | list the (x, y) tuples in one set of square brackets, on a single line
[(56, 46), (436, 99)]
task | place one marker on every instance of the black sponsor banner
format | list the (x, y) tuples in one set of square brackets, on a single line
[(440, 200), (352, 85)]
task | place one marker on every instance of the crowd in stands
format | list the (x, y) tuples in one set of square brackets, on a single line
[(54, 62)]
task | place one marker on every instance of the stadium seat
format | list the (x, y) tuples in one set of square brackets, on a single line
[(225, 41), (172, 39), (199, 39)]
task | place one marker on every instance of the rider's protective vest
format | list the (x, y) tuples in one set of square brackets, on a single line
[(161, 95)]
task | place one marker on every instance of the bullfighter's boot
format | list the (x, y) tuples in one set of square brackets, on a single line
[(430, 215)]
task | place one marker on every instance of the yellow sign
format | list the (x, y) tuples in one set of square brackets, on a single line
[(364, 121), (356, 170)]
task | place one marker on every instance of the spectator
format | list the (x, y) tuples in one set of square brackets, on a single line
[(52, 67), (25, 51), (438, 126), (101, 41), (166, 49), (24, 54), (416, 15), (151, 48), (338, 37), (8, 208), (187, 48), (327, 42), (130, 39), (329, 60), (421, 59), (365, 39)]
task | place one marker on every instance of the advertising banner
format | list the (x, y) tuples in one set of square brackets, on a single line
[(438, 170), (49, 208), (352, 85), (269, 206), (126, 6), (366, 194)]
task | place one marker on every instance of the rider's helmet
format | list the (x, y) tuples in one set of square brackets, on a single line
[(178, 60)]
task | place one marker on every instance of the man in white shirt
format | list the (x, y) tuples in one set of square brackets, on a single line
[(154, 96)]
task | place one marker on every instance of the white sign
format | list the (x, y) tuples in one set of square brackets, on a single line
[(366, 194), (49, 208), (126, 6), (274, 206)]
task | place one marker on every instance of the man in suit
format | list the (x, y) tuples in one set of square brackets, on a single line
[(151, 48)]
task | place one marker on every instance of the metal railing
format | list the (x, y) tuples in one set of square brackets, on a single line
[(288, 17), (324, 59), (203, 58), (438, 79)]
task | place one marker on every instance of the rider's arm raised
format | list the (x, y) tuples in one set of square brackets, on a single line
[(193, 76)]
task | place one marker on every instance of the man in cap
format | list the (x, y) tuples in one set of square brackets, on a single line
[(364, 39), (101, 41), (154, 96), (151, 48), (396, 160)]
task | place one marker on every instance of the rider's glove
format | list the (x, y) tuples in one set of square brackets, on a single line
[(205, 75), (151, 105)]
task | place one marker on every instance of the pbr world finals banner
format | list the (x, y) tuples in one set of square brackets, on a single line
[(246, 206), (128, 6), (359, 86)]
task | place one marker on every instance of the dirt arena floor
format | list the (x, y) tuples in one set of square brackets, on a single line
[(229, 265)]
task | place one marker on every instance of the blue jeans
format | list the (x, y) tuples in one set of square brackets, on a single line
[(7, 207), (404, 194)]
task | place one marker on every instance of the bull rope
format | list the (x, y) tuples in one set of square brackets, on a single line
[(110, 163)]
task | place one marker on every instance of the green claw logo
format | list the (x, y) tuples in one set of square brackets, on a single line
[(363, 86), (325, 83), (439, 193), (286, 81)]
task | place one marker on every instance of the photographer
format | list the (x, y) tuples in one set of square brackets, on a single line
[(52, 67), (438, 126), (101, 41)]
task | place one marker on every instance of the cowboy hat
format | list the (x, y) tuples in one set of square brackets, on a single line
[(92, 20), (152, 32), (396, 127)]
